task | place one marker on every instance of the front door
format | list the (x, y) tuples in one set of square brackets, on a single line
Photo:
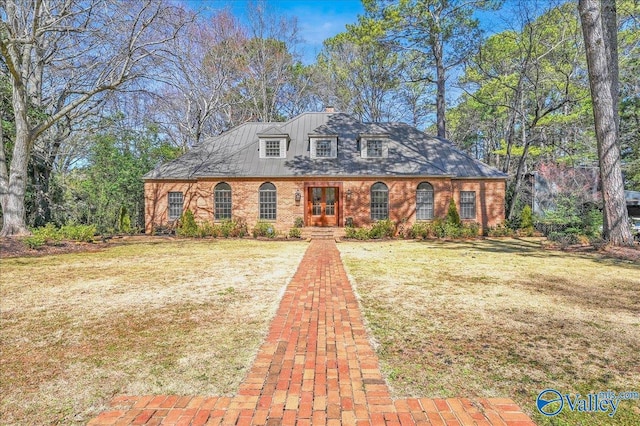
[(323, 206)]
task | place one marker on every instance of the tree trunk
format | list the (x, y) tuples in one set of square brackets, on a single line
[(599, 29), (13, 211), (441, 80)]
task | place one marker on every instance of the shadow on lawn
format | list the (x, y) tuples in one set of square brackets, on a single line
[(533, 248)]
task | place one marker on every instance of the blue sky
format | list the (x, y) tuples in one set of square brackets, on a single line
[(317, 20), (322, 19)]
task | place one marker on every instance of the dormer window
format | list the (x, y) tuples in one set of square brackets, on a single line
[(324, 147), (374, 146), (273, 148)]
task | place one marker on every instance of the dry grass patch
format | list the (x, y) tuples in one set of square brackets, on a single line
[(182, 317), (496, 318)]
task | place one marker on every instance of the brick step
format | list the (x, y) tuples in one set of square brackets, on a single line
[(322, 233)]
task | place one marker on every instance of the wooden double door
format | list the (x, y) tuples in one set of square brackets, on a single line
[(323, 206)]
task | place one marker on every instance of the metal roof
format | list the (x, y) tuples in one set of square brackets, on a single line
[(410, 152)]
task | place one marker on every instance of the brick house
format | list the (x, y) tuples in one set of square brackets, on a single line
[(328, 169)]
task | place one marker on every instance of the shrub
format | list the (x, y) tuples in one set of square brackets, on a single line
[(295, 233), (207, 229), (526, 218), (382, 229), (124, 221), (453, 217), (357, 233), (84, 233), (49, 234), (500, 230), (298, 223), (420, 230), (34, 241), (471, 230), (187, 226), (159, 229), (264, 229)]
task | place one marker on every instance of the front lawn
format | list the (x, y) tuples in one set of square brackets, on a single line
[(165, 317), (501, 318)]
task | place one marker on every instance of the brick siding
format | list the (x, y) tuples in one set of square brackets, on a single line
[(198, 196)]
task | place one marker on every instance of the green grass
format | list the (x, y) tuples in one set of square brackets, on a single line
[(166, 317), (501, 318)]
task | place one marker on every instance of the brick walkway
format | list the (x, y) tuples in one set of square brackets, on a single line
[(315, 367)]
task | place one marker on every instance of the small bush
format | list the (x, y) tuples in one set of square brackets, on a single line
[(382, 229), (420, 230), (357, 233), (34, 241), (124, 221), (84, 233), (500, 230), (526, 218), (298, 223), (264, 229), (295, 233), (187, 226), (207, 229), (453, 218), (159, 229), (49, 234)]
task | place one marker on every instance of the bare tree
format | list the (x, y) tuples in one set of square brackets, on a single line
[(600, 33), (63, 57)]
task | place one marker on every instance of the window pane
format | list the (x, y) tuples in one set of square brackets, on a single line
[(467, 204), (379, 201), (316, 207), (272, 148), (222, 201), (330, 201), (323, 148), (175, 205), (374, 148), (424, 201), (267, 201)]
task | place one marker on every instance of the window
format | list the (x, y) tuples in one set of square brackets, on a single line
[(379, 201), (374, 148), (272, 148), (323, 148), (175, 205), (267, 201), (467, 205), (424, 201), (222, 201)]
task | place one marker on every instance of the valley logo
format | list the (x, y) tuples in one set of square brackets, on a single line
[(550, 402)]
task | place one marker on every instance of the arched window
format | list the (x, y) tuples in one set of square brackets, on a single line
[(267, 201), (424, 201), (222, 201), (379, 201)]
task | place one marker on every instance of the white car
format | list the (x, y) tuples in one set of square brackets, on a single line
[(635, 226)]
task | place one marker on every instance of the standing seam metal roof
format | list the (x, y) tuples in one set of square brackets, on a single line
[(410, 153)]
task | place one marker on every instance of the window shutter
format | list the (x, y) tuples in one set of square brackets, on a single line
[(283, 148), (363, 148), (262, 148), (334, 148), (385, 149), (312, 147)]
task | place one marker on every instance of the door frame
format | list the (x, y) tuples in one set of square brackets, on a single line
[(339, 199)]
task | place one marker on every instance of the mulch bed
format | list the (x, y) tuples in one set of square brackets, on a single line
[(14, 247)]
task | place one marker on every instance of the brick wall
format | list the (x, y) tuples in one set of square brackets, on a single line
[(198, 196)]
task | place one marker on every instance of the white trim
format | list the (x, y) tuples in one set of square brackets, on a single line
[(313, 147), (283, 147)]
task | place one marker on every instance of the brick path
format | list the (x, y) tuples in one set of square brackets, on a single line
[(315, 367)]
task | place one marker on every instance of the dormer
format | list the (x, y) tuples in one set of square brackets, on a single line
[(273, 143), (374, 145), (323, 143)]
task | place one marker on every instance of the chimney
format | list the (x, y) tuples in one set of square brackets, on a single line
[(329, 109)]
